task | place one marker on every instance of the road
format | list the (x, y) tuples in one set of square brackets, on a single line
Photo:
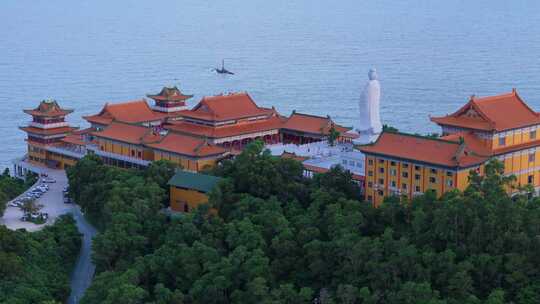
[(83, 273), (53, 204)]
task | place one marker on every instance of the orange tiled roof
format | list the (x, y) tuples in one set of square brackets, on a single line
[(136, 111), (493, 113), (170, 94), (426, 150), (312, 124), (74, 139), (128, 133), (226, 107), (184, 127), (186, 145), (48, 108), (53, 131), (290, 155)]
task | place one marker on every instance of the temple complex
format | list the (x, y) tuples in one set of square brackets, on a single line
[(501, 127), (132, 134)]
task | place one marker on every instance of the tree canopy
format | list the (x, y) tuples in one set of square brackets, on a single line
[(281, 238)]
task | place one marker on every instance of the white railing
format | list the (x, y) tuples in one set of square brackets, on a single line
[(67, 152)]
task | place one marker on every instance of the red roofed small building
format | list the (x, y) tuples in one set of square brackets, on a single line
[(45, 132), (304, 128), (230, 121), (502, 127), (170, 100)]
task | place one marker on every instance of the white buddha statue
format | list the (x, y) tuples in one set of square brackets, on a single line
[(369, 126)]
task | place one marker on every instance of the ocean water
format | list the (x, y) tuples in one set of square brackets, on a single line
[(312, 56)]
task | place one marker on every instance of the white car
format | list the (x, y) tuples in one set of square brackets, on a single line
[(49, 180)]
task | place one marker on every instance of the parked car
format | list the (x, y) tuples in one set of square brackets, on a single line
[(67, 200), (44, 175), (49, 180)]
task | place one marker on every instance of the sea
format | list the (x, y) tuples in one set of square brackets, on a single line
[(306, 55)]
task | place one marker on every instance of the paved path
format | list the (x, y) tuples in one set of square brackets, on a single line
[(53, 204), (83, 273)]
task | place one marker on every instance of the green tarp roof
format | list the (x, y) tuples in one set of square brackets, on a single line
[(195, 181)]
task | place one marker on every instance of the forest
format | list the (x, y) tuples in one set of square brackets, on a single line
[(35, 266), (281, 238)]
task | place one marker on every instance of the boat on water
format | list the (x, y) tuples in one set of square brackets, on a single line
[(223, 70)]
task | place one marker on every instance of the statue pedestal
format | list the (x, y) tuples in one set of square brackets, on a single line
[(365, 138)]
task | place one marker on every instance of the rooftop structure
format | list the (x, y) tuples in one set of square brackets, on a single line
[(170, 100), (133, 112), (494, 113)]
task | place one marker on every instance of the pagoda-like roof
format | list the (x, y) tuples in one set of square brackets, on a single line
[(434, 151), (136, 111), (48, 132), (272, 123), (494, 113), (48, 108), (226, 107), (312, 124), (170, 94), (187, 145), (128, 133)]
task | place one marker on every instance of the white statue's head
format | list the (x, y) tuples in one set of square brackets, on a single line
[(373, 74)]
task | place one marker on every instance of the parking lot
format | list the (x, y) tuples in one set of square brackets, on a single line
[(52, 201)]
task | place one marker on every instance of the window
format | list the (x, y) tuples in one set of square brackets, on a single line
[(393, 172), (405, 174), (531, 157), (132, 152), (370, 173), (417, 176), (532, 134), (502, 141), (381, 181), (369, 198), (381, 170), (417, 188), (381, 161), (370, 162), (102, 148), (344, 162), (432, 180), (449, 173), (404, 186), (405, 166), (351, 163), (139, 154), (434, 171), (530, 179), (370, 184), (417, 168), (359, 164), (393, 184), (380, 193), (392, 163), (449, 183)]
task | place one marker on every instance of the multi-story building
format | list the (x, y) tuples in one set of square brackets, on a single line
[(45, 133), (501, 127), (132, 134)]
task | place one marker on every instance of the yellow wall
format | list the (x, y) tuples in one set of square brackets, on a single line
[(125, 149), (186, 163), (523, 164), (408, 179), (515, 137), (181, 197)]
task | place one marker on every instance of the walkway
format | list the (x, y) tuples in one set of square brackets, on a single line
[(53, 204)]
